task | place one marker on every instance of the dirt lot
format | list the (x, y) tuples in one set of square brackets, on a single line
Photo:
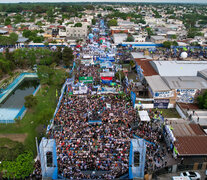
[(15, 137)]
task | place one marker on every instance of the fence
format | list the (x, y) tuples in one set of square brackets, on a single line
[(180, 111), (58, 106), (5, 92)]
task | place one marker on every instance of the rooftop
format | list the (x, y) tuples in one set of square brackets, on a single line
[(22, 39), (181, 130), (156, 83), (158, 37), (146, 67), (179, 68), (3, 31), (119, 38), (190, 139), (186, 82), (140, 55), (191, 145)]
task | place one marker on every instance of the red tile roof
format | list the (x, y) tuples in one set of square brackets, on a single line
[(148, 70), (191, 145)]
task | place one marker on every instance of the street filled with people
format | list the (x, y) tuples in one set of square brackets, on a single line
[(93, 130)]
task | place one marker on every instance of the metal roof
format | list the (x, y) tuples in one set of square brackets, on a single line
[(191, 139), (158, 37), (140, 55), (3, 31), (186, 82), (179, 68), (181, 130), (203, 72), (146, 67), (191, 145), (119, 38), (156, 83), (22, 39), (137, 55)]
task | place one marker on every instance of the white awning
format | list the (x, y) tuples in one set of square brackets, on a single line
[(144, 116)]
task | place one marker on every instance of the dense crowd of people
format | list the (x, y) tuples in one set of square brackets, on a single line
[(94, 135), (93, 132), (89, 71), (82, 146)]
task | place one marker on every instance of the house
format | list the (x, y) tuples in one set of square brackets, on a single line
[(139, 38), (188, 141), (76, 32), (3, 32), (158, 39), (118, 29)]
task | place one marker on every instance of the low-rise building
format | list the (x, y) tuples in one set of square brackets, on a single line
[(139, 38), (76, 32), (119, 38), (158, 39)]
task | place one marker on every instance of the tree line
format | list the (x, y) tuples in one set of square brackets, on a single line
[(28, 57)]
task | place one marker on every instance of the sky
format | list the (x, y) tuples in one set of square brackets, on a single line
[(163, 1)]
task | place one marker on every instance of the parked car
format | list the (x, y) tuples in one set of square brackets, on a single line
[(192, 175)]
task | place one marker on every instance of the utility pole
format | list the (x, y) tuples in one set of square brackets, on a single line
[(37, 148)]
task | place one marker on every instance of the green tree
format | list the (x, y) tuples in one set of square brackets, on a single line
[(192, 32), (45, 74), (9, 55), (29, 34), (132, 64), (112, 22), (57, 55), (13, 37), (175, 43), (149, 31), (78, 25), (120, 75), (173, 36), (38, 39), (67, 56), (46, 44), (7, 21), (167, 44), (30, 101), (130, 39), (18, 19), (99, 15), (20, 168), (93, 21), (202, 100)]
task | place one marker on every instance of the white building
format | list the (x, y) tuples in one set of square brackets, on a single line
[(139, 38), (76, 32)]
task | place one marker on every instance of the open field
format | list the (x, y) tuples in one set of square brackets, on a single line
[(35, 121)]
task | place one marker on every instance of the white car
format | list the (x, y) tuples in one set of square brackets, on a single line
[(192, 175)]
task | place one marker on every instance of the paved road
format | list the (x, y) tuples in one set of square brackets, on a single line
[(168, 176)]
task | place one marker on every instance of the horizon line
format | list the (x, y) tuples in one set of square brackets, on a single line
[(105, 1)]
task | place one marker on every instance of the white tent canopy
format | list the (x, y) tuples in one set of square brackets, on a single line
[(144, 116)]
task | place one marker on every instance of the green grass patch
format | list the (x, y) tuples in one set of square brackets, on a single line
[(169, 113), (35, 121), (9, 150)]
